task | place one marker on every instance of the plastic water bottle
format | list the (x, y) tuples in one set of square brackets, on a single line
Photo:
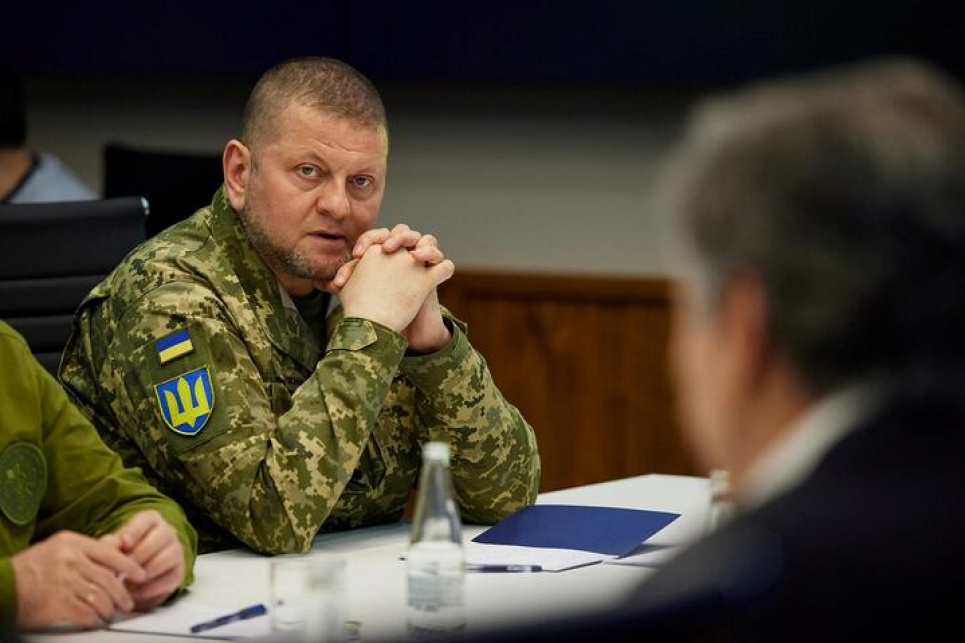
[(435, 560)]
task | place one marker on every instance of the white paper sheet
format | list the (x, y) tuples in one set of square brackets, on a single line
[(647, 556)]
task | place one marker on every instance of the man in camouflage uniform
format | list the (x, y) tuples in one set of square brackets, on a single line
[(215, 358)]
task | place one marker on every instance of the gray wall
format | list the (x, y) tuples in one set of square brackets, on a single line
[(509, 178)]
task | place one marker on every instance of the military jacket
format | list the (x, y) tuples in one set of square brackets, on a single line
[(56, 473), (193, 364)]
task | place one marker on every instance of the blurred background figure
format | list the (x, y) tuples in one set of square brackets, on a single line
[(27, 176)]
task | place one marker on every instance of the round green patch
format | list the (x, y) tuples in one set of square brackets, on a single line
[(23, 481)]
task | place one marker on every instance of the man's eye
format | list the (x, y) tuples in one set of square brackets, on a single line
[(361, 181), (308, 171)]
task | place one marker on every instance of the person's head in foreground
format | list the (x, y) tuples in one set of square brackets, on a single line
[(823, 230), (819, 356), (818, 352)]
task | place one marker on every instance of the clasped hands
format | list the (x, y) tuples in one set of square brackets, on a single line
[(71, 579), (392, 279)]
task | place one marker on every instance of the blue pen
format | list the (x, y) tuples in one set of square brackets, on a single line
[(240, 615)]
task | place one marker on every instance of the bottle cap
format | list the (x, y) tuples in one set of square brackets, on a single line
[(436, 451)]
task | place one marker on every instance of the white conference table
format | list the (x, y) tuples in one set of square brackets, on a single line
[(375, 577)]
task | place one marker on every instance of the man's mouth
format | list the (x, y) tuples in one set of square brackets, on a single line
[(327, 236)]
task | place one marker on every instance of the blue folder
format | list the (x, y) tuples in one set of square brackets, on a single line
[(604, 530)]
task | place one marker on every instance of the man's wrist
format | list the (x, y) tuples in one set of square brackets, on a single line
[(438, 342), (428, 372)]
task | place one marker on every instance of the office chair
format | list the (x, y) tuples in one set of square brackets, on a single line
[(52, 254), (177, 184)]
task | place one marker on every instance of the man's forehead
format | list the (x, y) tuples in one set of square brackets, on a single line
[(299, 122)]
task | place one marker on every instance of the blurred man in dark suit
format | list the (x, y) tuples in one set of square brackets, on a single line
[(819, 353)]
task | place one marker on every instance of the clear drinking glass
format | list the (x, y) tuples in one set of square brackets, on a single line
[(307, 597)]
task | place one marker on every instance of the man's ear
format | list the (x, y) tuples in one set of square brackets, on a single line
[(747, 324), (236, 164)]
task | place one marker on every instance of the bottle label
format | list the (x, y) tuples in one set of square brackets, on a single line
[(434, 593)]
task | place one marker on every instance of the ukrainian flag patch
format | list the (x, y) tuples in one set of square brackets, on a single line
[(173, 346), (186, 401)]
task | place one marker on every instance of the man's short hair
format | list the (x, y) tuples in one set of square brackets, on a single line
[(845, 194), (13, 119), (328, 85)]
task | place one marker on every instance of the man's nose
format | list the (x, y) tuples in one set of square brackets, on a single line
[(333, 200)]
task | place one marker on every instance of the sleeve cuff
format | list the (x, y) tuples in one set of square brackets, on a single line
[(427, 372), (355, 334), (8, 592), (189, 544)]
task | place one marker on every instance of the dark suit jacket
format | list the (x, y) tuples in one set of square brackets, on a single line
[(870, 546)]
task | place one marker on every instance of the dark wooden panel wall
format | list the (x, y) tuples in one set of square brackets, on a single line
[(585, 360)]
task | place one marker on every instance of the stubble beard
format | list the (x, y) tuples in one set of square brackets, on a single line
[(289, 261)]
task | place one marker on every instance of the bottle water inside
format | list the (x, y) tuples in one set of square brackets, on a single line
[(435, 559)]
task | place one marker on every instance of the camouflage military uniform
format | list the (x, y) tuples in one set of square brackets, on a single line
[(300, 436), (56, 473)]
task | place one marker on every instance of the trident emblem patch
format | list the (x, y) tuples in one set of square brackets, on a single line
[(186, 401)]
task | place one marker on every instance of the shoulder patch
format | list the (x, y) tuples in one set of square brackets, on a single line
[(23, 482), (186, 401), (173, 346)]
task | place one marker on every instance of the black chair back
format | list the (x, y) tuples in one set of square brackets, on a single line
[(177, 184), (52, 254)]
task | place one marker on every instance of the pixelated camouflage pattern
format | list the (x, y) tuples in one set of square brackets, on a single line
[(301, 438)]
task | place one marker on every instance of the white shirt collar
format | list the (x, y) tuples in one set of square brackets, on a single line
[(810, 438)]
